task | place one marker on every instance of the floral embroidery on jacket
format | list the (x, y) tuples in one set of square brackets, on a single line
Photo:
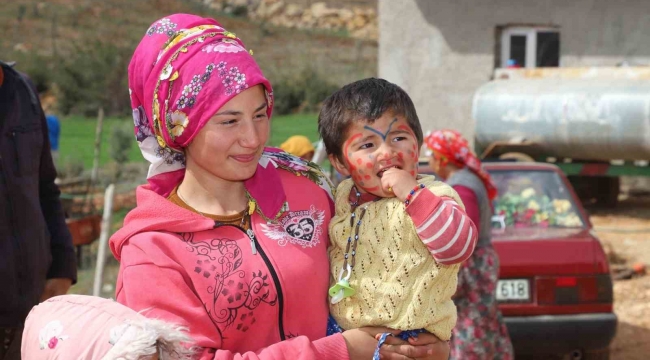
[(235, 294), (51, 334)]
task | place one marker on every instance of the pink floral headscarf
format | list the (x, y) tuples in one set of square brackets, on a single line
[(184, 69)]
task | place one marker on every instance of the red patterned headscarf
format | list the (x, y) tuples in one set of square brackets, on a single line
[(453, 146), (184, 69)]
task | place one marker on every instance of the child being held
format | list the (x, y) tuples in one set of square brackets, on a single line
[(397, 238), (92, 328)]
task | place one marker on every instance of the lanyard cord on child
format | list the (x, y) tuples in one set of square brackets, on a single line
[(342, 288)]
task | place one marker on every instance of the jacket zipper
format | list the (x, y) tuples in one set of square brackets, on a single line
[(255, 246)]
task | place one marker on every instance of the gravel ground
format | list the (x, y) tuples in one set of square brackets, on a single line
[(625, 234)]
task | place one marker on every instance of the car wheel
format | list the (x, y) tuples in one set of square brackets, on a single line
[(600, 354)]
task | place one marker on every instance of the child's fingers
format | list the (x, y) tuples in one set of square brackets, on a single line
[(376, 331), (393, 340), (424, 339), (387, 182)]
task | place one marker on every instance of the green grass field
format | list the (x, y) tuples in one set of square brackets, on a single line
[(78, 136)]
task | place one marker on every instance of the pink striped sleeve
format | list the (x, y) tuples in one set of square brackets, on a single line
[(443, 226)]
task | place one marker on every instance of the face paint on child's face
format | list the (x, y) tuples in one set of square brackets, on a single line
[(413, 152), (373, 148)]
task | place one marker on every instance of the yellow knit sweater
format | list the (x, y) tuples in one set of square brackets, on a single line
[(397, 281)]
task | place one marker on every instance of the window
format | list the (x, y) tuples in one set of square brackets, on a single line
[(533, 199), (530, 47)]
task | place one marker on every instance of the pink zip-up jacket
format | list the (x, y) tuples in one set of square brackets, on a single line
[(258, 297)]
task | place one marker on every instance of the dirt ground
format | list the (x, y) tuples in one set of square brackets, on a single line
[(625, 234)]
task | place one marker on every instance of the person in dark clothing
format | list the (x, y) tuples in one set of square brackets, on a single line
[(37, 259)]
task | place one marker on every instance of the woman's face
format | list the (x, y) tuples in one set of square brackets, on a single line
[(437, 166), (231, 143)]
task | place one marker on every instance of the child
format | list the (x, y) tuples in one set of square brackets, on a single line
[(397, 238), (88, 328)]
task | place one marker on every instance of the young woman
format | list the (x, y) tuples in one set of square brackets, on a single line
[(229, 238)]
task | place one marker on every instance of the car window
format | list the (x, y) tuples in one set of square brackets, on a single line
[(533, 199)]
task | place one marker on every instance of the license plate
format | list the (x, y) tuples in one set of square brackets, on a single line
[(509, 290)]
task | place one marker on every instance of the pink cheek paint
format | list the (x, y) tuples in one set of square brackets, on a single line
[(348, 154)]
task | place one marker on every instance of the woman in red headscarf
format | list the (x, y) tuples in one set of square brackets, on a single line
[(480, 333), (229, 238)]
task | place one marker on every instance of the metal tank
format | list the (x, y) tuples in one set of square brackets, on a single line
[(586, 119)]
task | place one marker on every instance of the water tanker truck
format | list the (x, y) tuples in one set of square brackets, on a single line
[(594, 123)]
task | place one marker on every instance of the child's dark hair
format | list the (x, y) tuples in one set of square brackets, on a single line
[(364, 100)]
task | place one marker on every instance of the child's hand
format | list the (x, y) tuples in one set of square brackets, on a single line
[(425, 346), (399, 182)]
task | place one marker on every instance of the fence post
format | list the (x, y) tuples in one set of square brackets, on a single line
[(103, 239), (98, 144)]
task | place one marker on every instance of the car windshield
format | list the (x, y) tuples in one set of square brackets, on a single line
[(533, 198)]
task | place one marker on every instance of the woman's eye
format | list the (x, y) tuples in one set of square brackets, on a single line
[(260, 116), (228, 122)]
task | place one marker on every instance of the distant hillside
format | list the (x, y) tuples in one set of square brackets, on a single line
[(39, 33), (358, 18)]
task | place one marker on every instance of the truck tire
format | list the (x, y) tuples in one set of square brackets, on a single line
[(610, 188), (600, 191)]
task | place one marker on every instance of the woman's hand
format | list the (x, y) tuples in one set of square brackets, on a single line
[(425, 346), (362, 343)]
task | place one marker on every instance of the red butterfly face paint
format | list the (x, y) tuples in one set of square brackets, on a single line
[(372, 148)]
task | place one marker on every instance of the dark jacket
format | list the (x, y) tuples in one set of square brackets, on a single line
[(35, 243)]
